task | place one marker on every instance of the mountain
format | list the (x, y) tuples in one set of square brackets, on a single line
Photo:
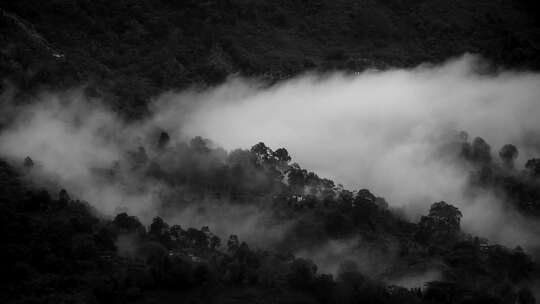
[(128, 51), (58, 249), (194, 223)]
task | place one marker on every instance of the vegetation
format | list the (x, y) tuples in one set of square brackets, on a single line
[(520, 187), (128, 51), (60, 250)]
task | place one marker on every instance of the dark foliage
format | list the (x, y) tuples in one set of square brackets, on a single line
[(131, 50), (59, 250), (520, 187)]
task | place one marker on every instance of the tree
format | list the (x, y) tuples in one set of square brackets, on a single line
[(297, 178), (233, 243), (282, 155), (446, 214), (478, 152), (508, 153), (346, 196), (463, 136), (215, 242), (481, 151), (533, 165), (176, 232), (196, 238), (262, 151), (441, 224), (365, 196), (63, 198), (128, 224), (28, 163), (200, 145), (163, 140), (158, 227)]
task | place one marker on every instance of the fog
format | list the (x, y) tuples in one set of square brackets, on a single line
[(69, 137), (380, 130)]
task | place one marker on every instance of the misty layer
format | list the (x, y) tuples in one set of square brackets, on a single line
[(381, 130), (385, 131)]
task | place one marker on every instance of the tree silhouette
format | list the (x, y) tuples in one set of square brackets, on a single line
[(508, 154), (28, 163), (441, 224), (481, 151), (533, 165), (163, 140)]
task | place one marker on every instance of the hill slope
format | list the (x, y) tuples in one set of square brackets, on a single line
[(131, 50)]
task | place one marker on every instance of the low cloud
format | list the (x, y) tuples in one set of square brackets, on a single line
[(380, 130)]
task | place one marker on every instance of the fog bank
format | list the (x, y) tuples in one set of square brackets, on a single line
[(380, 130)]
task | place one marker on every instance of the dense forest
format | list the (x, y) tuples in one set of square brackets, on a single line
[(58, 249), (130, 50), (196, 223)]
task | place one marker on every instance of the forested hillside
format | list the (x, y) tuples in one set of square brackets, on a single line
[(131, 50), (107, 194), (58, 249)]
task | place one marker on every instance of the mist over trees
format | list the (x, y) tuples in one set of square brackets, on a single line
[(59, 249), (173, 217), (111, 192), (519, 187)]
